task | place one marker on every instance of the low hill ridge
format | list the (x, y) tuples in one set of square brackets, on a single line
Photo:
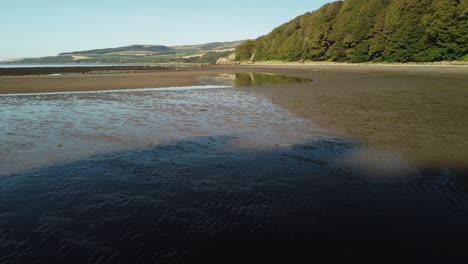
[(160, 49), (201, 53)]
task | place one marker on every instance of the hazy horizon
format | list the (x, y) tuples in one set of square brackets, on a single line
[(39, 28)]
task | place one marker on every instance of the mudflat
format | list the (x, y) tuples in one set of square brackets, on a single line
[(417, 111), (111, 78), (356, 162)]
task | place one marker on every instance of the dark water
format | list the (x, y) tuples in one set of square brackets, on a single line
[(204, 174)]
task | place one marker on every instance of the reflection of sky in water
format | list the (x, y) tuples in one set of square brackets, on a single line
[(37, 130)]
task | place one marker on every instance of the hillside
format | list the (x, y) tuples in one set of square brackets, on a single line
[(369, 30), (213, 46), (202, 53), (134, 48)]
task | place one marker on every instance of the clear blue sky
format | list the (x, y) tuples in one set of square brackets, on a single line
[(32, 28)]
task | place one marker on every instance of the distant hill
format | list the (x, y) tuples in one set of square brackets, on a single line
[(210, 47), (221, 45), (146, 48), (369, 30), (201, 53)]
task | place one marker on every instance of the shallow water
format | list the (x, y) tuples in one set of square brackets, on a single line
[(45, 129)]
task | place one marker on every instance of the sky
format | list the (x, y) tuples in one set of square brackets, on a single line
[(35, 28)]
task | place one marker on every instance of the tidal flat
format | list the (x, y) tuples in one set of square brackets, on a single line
[(279, 164)]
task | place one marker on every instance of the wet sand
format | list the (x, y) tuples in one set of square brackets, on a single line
[(97, 81), (416, 112), (201, 200), (187, 76), (48, 70), (361, 163)]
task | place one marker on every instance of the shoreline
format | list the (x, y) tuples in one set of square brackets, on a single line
[(79, 79), (34, 70), (407, 64)]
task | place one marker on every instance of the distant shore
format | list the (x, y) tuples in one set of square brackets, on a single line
[(60, 79)]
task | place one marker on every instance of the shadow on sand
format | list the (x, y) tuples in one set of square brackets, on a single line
[(203, 200)]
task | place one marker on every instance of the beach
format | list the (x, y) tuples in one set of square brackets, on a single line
[(155, 77), (264, 163), (388, 106)]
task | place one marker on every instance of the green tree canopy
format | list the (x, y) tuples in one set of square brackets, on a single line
[(369, 30)]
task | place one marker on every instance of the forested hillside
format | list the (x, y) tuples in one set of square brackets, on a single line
[(369, 30)]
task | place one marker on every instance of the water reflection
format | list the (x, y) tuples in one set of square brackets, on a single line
[(251, 79)]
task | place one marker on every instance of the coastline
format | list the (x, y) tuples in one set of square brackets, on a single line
[(170, 76)]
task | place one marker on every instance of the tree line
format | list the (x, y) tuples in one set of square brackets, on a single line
[(369, 30)]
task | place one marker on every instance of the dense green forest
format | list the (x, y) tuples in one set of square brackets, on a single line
[(369, 30)]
